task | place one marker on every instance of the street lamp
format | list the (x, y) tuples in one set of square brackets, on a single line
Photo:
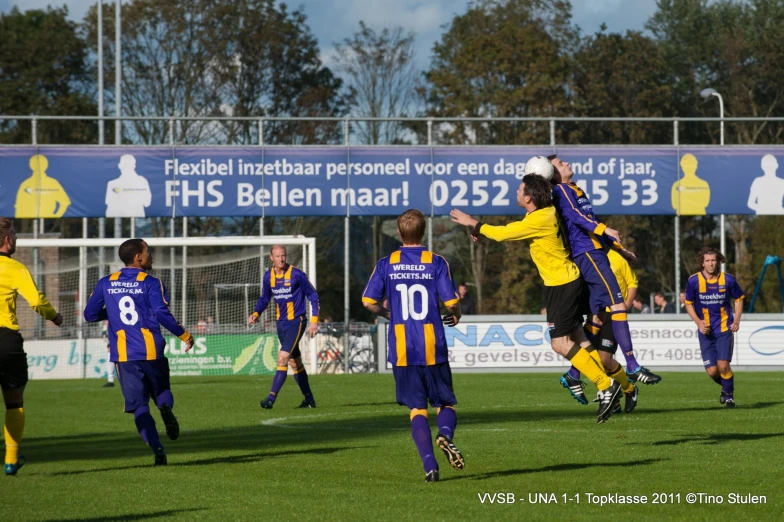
[(708, 93)]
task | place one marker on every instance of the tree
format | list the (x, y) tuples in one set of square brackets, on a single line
[(382, 77), (268, 64), (620, 76), (167, 69), (56, 84), (502, 58)]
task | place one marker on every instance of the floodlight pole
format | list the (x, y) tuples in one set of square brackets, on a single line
[(118, 94), (723, 243), (707, 93)]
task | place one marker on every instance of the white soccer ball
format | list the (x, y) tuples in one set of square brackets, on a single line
[(540, 166)]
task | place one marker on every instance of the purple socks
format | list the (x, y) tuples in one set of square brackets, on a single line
[(420, 432), (145, 424), (447, 422)]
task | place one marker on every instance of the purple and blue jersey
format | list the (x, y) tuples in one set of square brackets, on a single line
[(583, 232), (711, 299), (136, 305), (414, 279), (290, 291)]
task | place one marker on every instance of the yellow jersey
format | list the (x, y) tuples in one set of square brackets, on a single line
[(542, 231), (623, 272), (16, 279)]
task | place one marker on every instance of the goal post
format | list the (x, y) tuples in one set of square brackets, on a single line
[(212, 282)]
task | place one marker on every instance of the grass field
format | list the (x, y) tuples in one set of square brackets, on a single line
[(353, 458)]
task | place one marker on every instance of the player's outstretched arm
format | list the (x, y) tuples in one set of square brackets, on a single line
[(513, 231)]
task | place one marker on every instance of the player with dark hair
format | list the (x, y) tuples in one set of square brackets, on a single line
[(563, 286), (709, 293), (289, 287), (587, 239), (136, 305), (414, 279), (15, 279)]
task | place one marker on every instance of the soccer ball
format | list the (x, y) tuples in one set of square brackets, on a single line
[(540, 166)]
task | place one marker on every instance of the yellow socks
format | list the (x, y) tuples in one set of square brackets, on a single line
[(620, 375), (14, 428), (582, 359)]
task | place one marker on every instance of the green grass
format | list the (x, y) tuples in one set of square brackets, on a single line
[(353, 458)]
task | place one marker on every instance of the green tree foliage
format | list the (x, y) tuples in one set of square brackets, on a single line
[(503, 58), (44, 71)]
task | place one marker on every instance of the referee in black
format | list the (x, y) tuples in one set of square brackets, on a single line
[(15, 279)]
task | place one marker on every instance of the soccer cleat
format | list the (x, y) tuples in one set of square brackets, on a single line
[(11, 469), (307, 403), (575, 387), (631, 401), (431, 476), (730, 402), (170, 421), (616, 407), (643, 375), (456, 459), (108, 385), (267, 404), (607, 403), (160, 457), (722, 397)]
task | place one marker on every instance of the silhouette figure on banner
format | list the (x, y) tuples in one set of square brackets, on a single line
[(129, 195), (690, 193), (767, 191), (40, 196)]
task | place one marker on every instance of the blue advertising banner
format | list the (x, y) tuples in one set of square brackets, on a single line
[(334, 181)]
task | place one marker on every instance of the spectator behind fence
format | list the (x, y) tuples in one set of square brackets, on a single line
[(663, 307), (683, 302), (639, 307), (467, 303)]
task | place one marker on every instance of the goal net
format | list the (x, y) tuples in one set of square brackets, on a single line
[(212, 284)]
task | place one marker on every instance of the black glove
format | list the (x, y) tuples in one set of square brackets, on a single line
[(449, 320)]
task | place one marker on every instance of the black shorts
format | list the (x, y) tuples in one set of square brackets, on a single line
[(13, 360), (564, 307), (607, 342)]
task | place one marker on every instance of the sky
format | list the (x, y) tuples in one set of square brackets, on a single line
[(333, 20)]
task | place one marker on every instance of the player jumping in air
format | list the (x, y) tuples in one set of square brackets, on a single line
[(562, 283), (708, 296), (15, 279), (602, 336), (587, 239), (414, 280), (290, 287), (136, 305)]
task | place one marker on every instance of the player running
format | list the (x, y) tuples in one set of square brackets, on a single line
[(708, 296), (136, 305), (562, 283), (290, 287), (414, 279)]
